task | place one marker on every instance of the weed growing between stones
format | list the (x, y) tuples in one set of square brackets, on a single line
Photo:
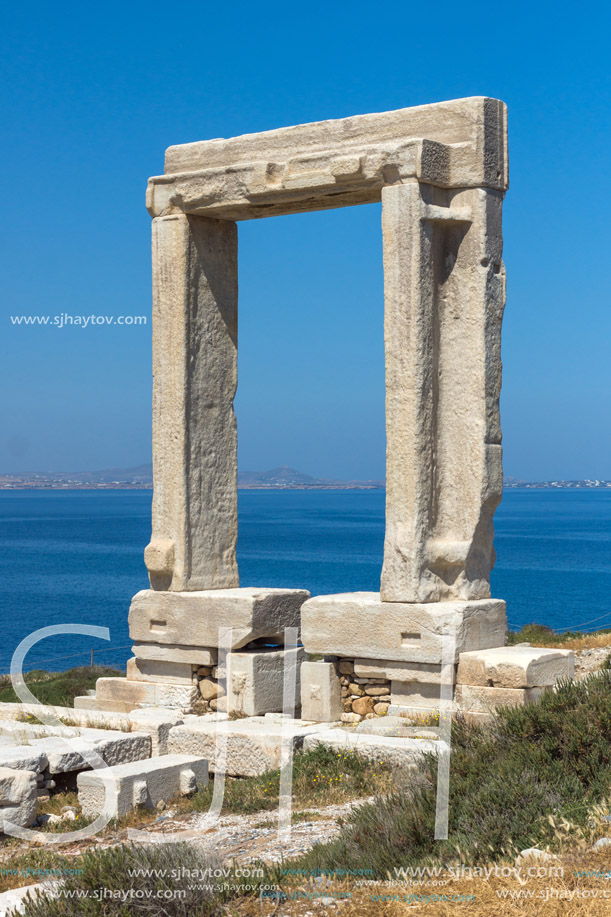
[(321, 776)]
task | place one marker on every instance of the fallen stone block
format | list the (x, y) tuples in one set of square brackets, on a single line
[(18, 797), (253, 745), (398, 751), (476, 699), (257, 679), (141, 783), (185, 618), (156, 724), (515, 667), (398, 631), (122, 695), (320, 692), (23, 757), (113, 747), (68, 716)]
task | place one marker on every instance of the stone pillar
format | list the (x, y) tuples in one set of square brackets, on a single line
[(195, 301), (444, 290)]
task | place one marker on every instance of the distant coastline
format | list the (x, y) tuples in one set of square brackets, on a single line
[(281, 478)]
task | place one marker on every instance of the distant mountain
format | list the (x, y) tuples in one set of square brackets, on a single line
[(138, 476), (141, 476), (286, 478), (283, 476)]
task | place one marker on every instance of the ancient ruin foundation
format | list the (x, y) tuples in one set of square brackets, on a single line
[(440, 172)]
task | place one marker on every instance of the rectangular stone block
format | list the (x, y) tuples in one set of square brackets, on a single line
[(477, 699), (176, 673), (253, 745), (425, 672), (121, 695), (18, 797), (334, 157), (156, 723), (195, 617), (358, 624), (257, 679), (23, 758), (398, 751), (144, 783), (415, 694), (113, 747), (85, 702), (515, 667), (444, 295), (321, 700), (165, 652)]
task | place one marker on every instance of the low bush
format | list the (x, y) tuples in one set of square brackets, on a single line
[(511, 784), (159, 880)]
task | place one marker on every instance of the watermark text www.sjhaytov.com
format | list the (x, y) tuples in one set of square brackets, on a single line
[(65, 320)]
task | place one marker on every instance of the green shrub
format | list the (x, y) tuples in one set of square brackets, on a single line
[(549, 759), (166, 879)]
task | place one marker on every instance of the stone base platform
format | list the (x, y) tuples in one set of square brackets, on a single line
[(361, 688), (359, 624), (253, 744), (251, 683)]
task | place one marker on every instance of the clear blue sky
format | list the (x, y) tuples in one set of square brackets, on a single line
[(94, 93)]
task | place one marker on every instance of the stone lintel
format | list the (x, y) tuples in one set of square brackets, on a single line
[(326, 164), (359, 624)]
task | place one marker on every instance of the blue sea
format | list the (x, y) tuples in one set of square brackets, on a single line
[(76, 557)]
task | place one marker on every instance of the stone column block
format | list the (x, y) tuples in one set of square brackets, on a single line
[(257, 679), (444, 294), (195, 301), (321, 700)]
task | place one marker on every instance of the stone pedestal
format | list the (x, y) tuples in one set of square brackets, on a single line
[(196, 619), (359, 624)]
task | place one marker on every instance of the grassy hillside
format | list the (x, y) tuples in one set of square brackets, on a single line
[(57, 688)]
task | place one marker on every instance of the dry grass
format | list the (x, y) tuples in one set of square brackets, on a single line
[(538, 635), (546, 896), (580, 642)]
